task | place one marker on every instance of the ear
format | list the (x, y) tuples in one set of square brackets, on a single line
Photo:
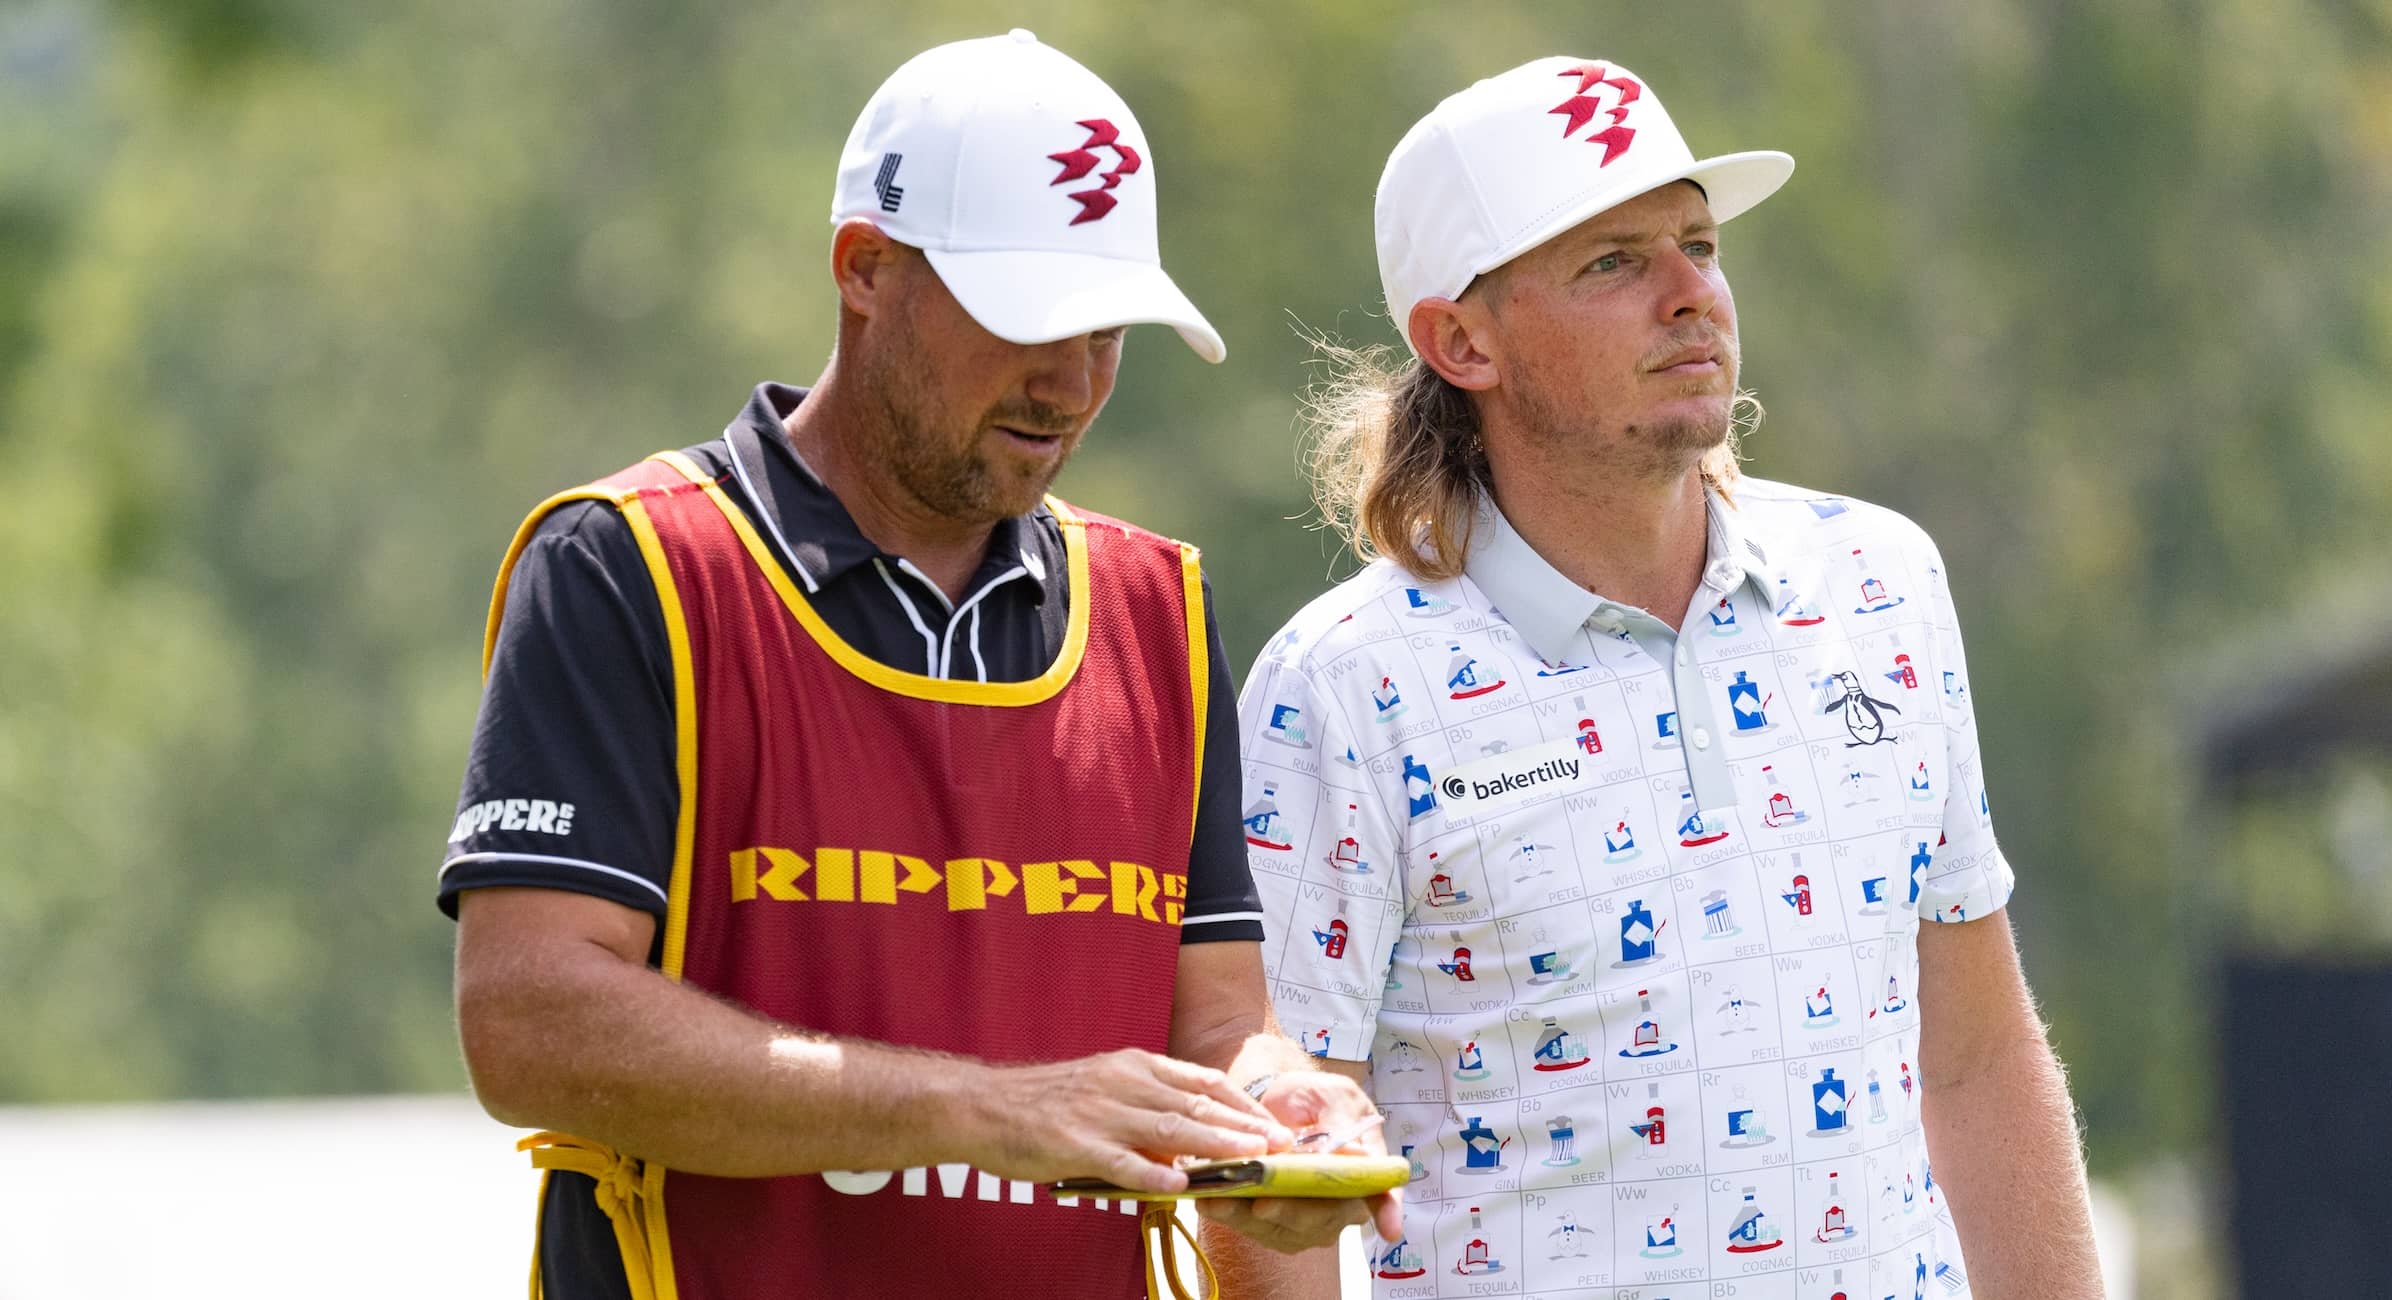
[(862, 256), (1457, 340)]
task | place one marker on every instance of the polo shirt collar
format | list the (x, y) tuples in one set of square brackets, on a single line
[(1741, 549), (1547, 609), (823, 536)]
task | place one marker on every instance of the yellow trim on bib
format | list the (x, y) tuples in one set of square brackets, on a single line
[(660, 1236), (685, 732), (1200, 668), (539, 1230), (685, 708), (523, 537), (630, 1191), (857, 663), (685, 831)]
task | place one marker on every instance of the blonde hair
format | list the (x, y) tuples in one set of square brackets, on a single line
[(1397, 463)]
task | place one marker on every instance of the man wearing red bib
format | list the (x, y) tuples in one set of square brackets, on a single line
[(850, 841)]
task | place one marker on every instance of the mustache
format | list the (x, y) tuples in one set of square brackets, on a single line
[(1036, 417), (1705, 335)]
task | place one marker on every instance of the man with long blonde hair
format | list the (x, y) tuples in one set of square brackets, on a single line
[(1621, 824)]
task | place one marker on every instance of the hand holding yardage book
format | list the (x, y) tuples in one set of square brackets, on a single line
[(1339, 1177), (1318, 1166), (1321, 1165)]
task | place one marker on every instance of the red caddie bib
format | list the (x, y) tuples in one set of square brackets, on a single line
[(993, 869)]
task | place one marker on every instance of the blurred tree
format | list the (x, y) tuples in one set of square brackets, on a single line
[(306, 306)]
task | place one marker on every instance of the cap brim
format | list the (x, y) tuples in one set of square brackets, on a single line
[(1732, 184), (1038, 297), (1736, 182)]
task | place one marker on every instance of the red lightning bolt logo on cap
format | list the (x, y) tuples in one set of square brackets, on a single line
[(1581, 107), (1095, 203)]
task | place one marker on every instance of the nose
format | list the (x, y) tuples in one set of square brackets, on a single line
[(1692, 291), (1074, 375)]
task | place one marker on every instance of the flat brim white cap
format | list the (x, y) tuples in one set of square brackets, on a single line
[(1503, 166), (1732, 184), (1037, 297)]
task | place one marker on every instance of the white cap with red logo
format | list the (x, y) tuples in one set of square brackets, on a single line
[(1028, 184), (1501, 167)]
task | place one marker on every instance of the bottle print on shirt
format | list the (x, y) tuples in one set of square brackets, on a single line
[(1346, 855), (1265, 827), (1835, 817)]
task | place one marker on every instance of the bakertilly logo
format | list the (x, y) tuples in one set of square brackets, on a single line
[(877, 876), (1496, 784)]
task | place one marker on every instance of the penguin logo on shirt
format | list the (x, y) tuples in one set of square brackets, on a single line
[(1864, 717)]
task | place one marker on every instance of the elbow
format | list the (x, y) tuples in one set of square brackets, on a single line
[(536, 999), (504, 1102), (502, 1056)]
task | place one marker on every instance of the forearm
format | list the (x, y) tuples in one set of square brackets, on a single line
[(1265, 1052), (2003, 1142), (614, 1052), (1250, 1271), (1221, 1018)]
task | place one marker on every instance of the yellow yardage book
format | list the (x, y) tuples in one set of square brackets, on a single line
[(1331, 1176)]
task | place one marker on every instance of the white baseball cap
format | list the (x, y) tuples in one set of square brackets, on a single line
[(1516, 159), (1028, 184)]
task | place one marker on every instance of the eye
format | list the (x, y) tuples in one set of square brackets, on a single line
[(1607, 262), (1701, 249)]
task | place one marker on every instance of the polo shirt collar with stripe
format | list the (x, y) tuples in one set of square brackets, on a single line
[(1548, 610)]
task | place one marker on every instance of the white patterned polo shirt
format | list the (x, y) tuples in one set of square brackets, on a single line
[(1624, 919)]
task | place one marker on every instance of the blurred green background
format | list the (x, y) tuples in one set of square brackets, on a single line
[(303, 305)]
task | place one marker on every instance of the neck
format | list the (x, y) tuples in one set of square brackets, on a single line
[(838, 431), (1637, 539)]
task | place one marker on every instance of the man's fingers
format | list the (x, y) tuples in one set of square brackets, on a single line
[(1214, 1085), (1205, 1108), (1175, 1134), (1126, 1168), (1387, 1215)]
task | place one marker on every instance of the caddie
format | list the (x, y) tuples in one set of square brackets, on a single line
[(849, 841)]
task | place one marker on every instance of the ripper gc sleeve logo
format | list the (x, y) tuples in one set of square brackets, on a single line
[(545, 816)]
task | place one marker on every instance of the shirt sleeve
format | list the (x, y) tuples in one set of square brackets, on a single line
[(1327, 862), (1969, 878), (1221, 898), (570, 782)]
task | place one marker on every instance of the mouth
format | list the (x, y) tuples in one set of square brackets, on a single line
[(1689, 361), (1030, 439)]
